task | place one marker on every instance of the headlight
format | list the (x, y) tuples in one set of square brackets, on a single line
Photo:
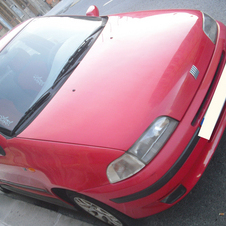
[(123, 167), (210, 27), (153, 139), (143, 151)]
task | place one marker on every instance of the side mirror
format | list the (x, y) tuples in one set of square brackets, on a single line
[(92, 11)]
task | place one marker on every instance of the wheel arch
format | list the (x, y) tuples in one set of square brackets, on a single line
[(62, 194)]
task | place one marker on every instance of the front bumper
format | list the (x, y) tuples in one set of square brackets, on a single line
[(177, 168)]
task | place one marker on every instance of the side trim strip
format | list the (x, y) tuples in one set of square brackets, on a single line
[(50, 199), (24, 186), (166, 178)]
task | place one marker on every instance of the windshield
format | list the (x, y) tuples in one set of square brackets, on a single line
[(31, 62)]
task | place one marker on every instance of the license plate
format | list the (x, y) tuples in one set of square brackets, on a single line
[(214, 110)]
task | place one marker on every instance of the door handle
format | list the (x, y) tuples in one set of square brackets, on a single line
[(2, 152)]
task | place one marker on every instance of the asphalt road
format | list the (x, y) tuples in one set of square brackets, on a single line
[(216, 8), (206, 204)]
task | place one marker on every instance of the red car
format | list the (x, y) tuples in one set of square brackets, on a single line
[(118, 115)]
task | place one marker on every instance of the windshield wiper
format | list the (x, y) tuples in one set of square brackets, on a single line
[(74, 61), (31, 110)]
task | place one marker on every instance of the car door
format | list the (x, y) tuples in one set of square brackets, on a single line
[(17, 170)]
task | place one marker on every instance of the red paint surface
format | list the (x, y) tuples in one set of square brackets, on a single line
[(137, 70)]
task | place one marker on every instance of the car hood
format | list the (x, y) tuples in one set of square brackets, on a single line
[(137, 70)]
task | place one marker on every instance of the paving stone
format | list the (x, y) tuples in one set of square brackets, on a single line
[(18, 213)]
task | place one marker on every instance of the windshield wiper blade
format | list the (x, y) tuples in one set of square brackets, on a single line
[(96, 31), (73, 61), (31, 110)]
